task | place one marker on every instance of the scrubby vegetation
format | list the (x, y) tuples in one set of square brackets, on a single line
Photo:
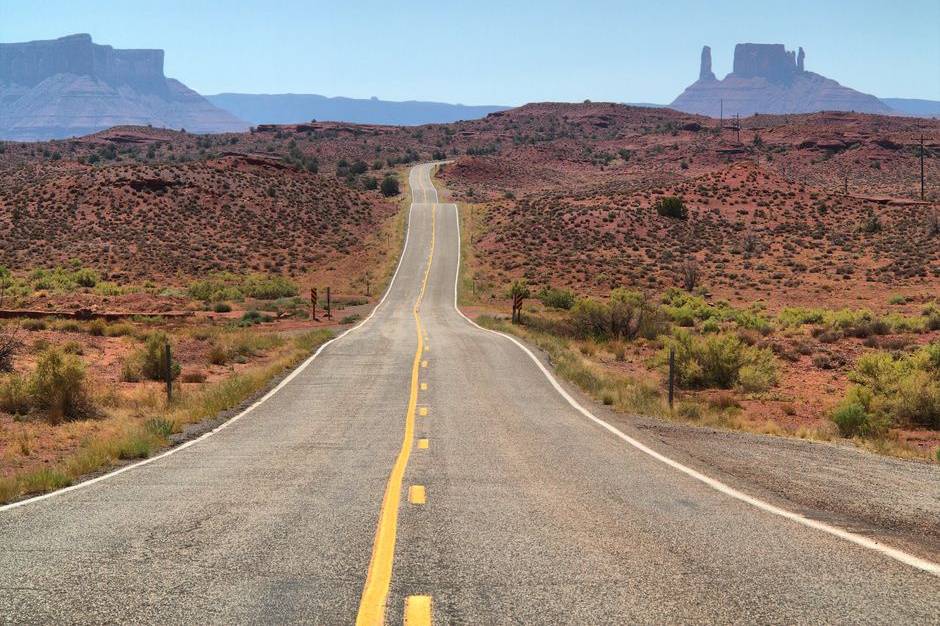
[(722, 362), (227, 286), (57, 389), (892, 390)]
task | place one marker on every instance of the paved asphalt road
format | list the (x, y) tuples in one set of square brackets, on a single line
[(532, 512)]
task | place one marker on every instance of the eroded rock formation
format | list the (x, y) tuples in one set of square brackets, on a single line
[(768, 78), (72, 86), (705, 70)]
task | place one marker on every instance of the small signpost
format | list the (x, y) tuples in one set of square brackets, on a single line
[(313, 304)]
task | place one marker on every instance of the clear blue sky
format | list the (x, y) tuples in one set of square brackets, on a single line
[(502, 52)]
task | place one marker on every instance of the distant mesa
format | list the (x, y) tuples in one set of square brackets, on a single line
[(290, 108), (71, 86), (768, 78)]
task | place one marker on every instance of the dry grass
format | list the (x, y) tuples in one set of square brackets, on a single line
[(141, 420), (577, 362)]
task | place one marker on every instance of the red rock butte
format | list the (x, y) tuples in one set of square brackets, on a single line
[(768, 78)]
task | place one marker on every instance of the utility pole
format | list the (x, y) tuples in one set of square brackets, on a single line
[(721, 114), (737, 122), (922, 197), (845, 188)]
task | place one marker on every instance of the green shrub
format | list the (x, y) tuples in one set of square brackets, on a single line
[(390, 186), (626, 315), (33, 324), (149, 362), (96, 327), (900, 390), (672, 207), (557, 298), (14, 395), (932, 314), (717, 361), (265, 287), (797, 316), (221, 307), (852, 419), (58, 387)]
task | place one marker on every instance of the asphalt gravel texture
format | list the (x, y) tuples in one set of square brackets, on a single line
[(534, 514)]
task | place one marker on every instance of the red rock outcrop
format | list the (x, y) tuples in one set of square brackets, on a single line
[(71, 86), (768, 78)]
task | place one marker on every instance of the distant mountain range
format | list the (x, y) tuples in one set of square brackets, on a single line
[(70, 86), (292, 108)]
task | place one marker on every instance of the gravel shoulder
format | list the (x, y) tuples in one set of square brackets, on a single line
[(892, 500)]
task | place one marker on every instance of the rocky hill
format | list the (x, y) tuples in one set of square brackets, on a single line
[(71, 86), (768, 78)]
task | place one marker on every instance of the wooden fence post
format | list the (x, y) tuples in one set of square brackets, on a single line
[(329, 305), (672, 375), (313, 304), (168, 370)]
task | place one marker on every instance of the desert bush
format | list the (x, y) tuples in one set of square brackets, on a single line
[(899, 390), (241, 345), (853, 420), (223, 286), (689, 274), (58, 387), (390, 186), (797, 316), (932, 314), (626, 315), (717, 361), (672, 207), (33, 325), (221, 307), (149, 362), (265, 287), (193, 376), (14, 395), (63, 279), (557, 298), (252, 317)]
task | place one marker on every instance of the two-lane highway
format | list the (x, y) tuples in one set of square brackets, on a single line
[(423, 466)]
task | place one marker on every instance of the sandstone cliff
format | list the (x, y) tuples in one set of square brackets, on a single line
[(71, 86), (768, 78)]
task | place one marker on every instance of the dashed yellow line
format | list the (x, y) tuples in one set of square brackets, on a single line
[(423, 411), (423, 444), (417, 494), (418, 611), (424, 386), (375, 592)]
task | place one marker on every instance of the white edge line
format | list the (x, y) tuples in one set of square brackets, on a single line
[(860, 540), (300, 368)]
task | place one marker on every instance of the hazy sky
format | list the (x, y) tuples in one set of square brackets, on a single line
[(496, 52)]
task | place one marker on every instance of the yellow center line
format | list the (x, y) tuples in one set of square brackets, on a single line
[(417, 611), (417, 494), (424, 386), (379, 579), (423, 444)]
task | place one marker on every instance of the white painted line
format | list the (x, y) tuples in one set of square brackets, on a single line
[(860, 540), (300, 368)]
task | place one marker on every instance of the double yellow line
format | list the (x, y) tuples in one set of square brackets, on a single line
[(378, 581)]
